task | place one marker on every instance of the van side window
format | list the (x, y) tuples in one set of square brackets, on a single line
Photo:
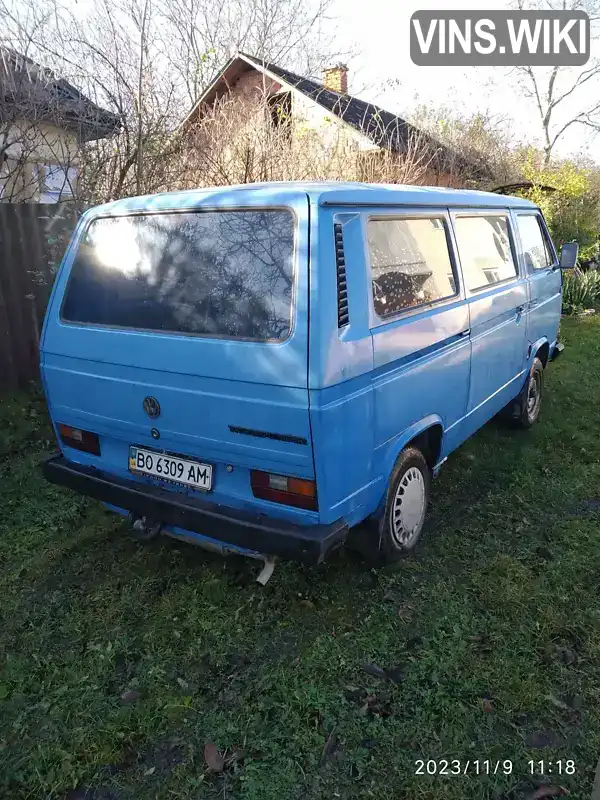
[(536, 250), (485, 250), (410, 263)]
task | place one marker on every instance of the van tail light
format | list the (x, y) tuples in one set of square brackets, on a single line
[(282, 489), (79, 439)]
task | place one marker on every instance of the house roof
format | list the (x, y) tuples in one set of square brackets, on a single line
[(383, 128), (36, 92)]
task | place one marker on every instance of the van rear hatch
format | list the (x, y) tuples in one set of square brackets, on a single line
[(184, 331)]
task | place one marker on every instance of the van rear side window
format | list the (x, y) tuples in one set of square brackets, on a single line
[(216, 273), (410, 263)]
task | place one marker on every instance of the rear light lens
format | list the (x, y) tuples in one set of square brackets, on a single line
[(79, 439), (297, 492)]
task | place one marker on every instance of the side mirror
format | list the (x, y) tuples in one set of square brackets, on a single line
[(568, 255)]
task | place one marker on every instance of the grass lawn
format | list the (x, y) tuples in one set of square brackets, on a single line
[(120, 662)]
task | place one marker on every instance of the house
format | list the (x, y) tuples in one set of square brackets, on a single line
[(44, 122), (306, 110)]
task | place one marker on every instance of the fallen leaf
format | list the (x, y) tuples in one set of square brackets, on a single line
[(394, 674), (544, 738), (368, 744), (548, 791), (150, 771), (236, 756), (329, 745), (89, 793), (353, 693), (183, 684), (364, 709), (405, 612), (238, 660), (568, 656), (129, 697), (376, 705), (213, 758), (373, 669), (574, 701), (557, 703), (487, 705)]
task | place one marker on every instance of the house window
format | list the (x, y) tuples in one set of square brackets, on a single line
[(56, 183), (280, 107)]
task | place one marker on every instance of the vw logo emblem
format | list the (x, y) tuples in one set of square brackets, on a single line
[(151, 407)]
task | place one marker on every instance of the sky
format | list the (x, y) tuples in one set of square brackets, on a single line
[(378, 30)]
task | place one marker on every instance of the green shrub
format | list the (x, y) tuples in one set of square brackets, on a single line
[(572, 211), (581, 290)]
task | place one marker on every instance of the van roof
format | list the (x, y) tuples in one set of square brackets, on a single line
[(326, 193)]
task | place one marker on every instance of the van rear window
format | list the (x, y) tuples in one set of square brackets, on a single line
[(213, 273)]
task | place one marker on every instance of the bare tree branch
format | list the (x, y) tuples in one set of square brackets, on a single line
[(557, 92)]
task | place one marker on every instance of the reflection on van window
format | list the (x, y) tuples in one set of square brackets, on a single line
[(533, 242), (217, 273), (410, 263), (484, 249)]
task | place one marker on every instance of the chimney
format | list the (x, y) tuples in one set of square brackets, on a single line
[(336, 78)]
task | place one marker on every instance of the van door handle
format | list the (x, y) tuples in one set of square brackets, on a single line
[(465, 333)]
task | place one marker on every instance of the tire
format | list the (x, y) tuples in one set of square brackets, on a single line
[(525, 410), (400, 529)]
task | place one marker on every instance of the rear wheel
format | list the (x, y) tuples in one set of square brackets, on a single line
[(406, 505), (525, 410)]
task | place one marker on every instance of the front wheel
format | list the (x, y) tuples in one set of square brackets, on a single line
[(406, 505), (527, 405)]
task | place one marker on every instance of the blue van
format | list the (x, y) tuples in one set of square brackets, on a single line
[(265, 367)]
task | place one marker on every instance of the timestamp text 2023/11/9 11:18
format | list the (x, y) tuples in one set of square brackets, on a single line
[(453, 767)]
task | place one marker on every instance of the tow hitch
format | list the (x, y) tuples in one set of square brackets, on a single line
[(144, 528)]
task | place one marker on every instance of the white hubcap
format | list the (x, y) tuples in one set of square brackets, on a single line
[(408, 511)]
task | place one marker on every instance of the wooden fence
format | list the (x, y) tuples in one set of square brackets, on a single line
[(33, 238)]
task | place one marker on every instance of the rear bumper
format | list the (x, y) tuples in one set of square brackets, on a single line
[(308, 544)]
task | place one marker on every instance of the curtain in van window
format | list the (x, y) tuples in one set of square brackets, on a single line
[(410, 263), (221, 273)]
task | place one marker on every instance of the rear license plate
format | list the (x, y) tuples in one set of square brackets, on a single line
[(170, 468)]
